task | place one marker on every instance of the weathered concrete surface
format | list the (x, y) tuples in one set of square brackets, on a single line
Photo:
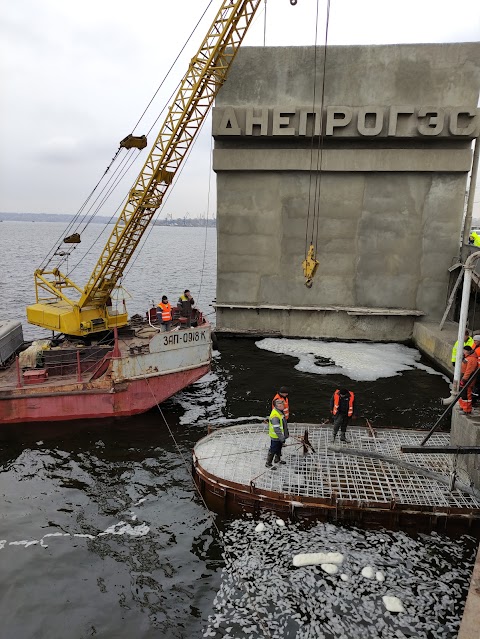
[(435, 343), (470, 625), (466, 432), (388, 219)]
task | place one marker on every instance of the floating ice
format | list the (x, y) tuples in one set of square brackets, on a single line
[(344, 577), (316, 558), (357, 360), (331, 569), (393, 604), (380, 576), (368, 572), (2, 543), (260, 527), (280, 522)]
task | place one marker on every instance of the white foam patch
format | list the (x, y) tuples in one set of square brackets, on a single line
[(331, 569), (121, 528), (368, 572), (359, 361), (316, 558), (393, 604)]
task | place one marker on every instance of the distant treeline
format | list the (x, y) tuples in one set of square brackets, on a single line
[(51, 217)]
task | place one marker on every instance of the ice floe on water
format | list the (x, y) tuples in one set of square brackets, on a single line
[(273, 586), (359, 361)]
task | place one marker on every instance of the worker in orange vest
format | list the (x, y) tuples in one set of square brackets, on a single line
[(342, 409), (283, 395), (469, 366), (166, 311), (476, 384)]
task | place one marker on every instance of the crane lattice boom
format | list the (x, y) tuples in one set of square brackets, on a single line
[(206, 74)]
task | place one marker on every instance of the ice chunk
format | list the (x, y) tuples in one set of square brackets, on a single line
[(344, 577), (316, 558), (280, 522), (331, 569), (392, 604), (380, 576), (368, 572), (260, 527)]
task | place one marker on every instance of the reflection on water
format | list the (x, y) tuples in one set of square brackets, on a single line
[(133, 551)]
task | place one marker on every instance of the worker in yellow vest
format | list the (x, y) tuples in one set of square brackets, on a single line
[(166, 311), (467, 341), (278, 431)]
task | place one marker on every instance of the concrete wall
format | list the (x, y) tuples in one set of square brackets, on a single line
[(398, 124)]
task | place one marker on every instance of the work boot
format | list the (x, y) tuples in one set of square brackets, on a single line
[(278, 460), (268, 463), (344, 439)]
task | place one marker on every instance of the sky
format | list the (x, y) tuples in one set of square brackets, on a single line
[(76, 77)]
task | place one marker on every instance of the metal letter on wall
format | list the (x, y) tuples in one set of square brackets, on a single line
[(395, 111), (281, 120), (303, 118), (229, 123), (434, 123), (337, 117), (453, 125), (252, 120), (362, 127)]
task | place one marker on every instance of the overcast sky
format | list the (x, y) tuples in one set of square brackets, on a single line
[(76, 76)]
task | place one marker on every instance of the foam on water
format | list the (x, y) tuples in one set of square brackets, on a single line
[(357, 360)]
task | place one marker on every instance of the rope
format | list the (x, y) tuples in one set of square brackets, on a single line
[(187, 465), (311, 141), (208, 208), (318, 175), (70, 226), (265, 24)]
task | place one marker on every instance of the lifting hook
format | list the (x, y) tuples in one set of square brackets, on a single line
[(310, 265)]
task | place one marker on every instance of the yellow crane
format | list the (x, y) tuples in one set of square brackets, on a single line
[(63, 306)]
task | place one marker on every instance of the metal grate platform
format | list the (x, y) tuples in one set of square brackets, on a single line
[(237, 454)]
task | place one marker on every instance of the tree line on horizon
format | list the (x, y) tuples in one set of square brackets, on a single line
[(63, 217)]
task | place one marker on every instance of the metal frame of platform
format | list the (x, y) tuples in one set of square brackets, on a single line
[(230, 463)]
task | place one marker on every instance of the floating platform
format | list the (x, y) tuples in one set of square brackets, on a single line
[(368, 480)]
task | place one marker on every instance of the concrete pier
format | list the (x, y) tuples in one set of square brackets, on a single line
[(383, 201)]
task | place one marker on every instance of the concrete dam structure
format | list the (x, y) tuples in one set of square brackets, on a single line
[(381, 193)]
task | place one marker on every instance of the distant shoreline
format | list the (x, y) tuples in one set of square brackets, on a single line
[(50, 217)]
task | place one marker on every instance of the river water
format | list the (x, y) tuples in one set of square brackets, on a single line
[(103, 535)]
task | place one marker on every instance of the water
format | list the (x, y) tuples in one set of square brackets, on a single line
[(135, 554)]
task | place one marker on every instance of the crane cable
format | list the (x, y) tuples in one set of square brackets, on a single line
[(58, 242), (188, 466), (310, 263)]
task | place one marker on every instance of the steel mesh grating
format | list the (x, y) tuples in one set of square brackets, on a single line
[(238, 453)]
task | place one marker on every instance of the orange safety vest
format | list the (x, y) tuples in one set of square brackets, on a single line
[(166, 311), (336, 402), (286, 409)]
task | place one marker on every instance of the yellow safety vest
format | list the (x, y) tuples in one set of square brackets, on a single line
[(271, 430)]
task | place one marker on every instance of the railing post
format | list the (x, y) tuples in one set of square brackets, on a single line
[(79, 368), (116, 349), (19, 373)]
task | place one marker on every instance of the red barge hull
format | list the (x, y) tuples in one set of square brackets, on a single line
[(142, 370)]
